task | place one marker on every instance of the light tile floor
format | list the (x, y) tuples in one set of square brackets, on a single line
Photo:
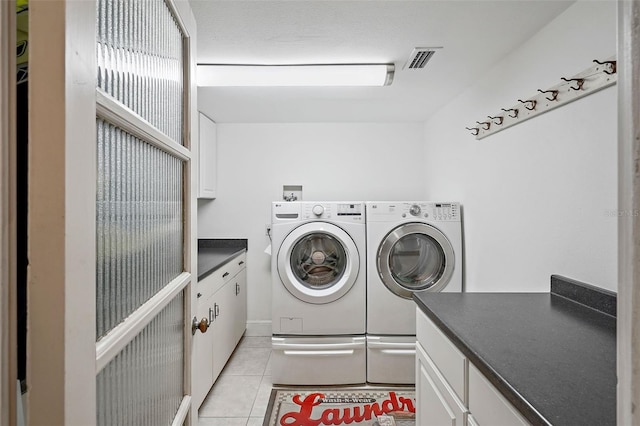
[(241, 394)]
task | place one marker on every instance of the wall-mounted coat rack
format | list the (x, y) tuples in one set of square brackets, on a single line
[(598, 76)]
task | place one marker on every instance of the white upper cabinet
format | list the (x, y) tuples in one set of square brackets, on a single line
[(208, 158)]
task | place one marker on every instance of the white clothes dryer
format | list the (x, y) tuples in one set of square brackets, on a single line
[(318, 293), (412, 247)]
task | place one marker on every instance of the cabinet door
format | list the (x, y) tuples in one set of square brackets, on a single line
[(208, 156), (436, 403), (449, 361), (223, 344), (488, 406), (240, 305), (203, 356)]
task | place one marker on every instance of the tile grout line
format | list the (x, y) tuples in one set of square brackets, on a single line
[(259, 386), (247, 419), (255, 399)]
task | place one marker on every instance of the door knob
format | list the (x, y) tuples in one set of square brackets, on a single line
[(203, 325)]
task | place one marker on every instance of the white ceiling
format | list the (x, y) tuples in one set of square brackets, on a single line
[(474, 35)]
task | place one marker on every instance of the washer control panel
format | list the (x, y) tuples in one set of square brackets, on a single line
[(350, 212)]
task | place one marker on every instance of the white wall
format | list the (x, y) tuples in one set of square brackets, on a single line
[(537, 198), (332, 161)]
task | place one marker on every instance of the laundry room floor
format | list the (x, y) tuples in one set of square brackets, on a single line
[(241, 394)]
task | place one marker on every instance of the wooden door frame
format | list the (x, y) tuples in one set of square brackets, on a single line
[(8, 313), (61, 223), (628, 339)]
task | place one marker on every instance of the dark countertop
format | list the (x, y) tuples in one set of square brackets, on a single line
[(553, 358), (213, 253)]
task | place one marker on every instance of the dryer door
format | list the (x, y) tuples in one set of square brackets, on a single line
[(415, 257), (318, 262)]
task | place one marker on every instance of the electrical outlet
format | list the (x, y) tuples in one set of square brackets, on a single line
[(267, 229)]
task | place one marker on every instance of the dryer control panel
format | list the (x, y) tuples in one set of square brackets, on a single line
[(446, 211), (419, 210)]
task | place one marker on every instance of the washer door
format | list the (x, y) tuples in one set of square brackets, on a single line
[(318, 262), (415, 257)]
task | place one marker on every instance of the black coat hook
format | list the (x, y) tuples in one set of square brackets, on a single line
[(554, 94), (579, 82), (485, 124), (529, 104), (515, 112), (611, 64), (474, 130), (498, 119)]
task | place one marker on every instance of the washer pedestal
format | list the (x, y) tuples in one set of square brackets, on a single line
[(391, 359), (339, 360)]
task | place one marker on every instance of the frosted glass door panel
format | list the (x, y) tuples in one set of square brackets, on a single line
[(143, 385), (139, 224), (140, 60), (141, 202)]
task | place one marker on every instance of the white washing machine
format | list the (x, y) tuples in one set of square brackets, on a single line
[(319, 293), (412, 247)]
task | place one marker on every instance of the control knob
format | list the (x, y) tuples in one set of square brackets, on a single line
[(414, 210), (318, 210)]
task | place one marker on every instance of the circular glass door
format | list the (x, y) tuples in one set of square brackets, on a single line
[(415, 257), (318, 262)]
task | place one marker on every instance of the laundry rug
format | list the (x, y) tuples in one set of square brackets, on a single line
[(345, 406)]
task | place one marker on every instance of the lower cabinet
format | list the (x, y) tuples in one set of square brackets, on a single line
[(240, 303), (222, 300), (203, 354), (488, 405), (436, 402), (229, 320), (450, 390)]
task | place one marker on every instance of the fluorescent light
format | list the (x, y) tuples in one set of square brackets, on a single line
[(295, 75)]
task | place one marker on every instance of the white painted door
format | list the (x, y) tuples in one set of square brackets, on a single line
[(111, 225)]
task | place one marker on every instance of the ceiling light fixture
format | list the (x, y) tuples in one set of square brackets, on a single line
[(295, 75)]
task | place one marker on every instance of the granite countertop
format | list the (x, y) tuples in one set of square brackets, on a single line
[(552, 355), (213, 253)]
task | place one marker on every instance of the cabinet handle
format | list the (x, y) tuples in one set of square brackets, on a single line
[(216, 308), (199, 295), (210, 318), (237, 289), (225, 274), (241, 262), (203, 325)]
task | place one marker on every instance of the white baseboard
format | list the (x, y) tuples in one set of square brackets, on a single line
[(258, 328)]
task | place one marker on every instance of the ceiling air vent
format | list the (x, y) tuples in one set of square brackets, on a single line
[(419, 57)]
